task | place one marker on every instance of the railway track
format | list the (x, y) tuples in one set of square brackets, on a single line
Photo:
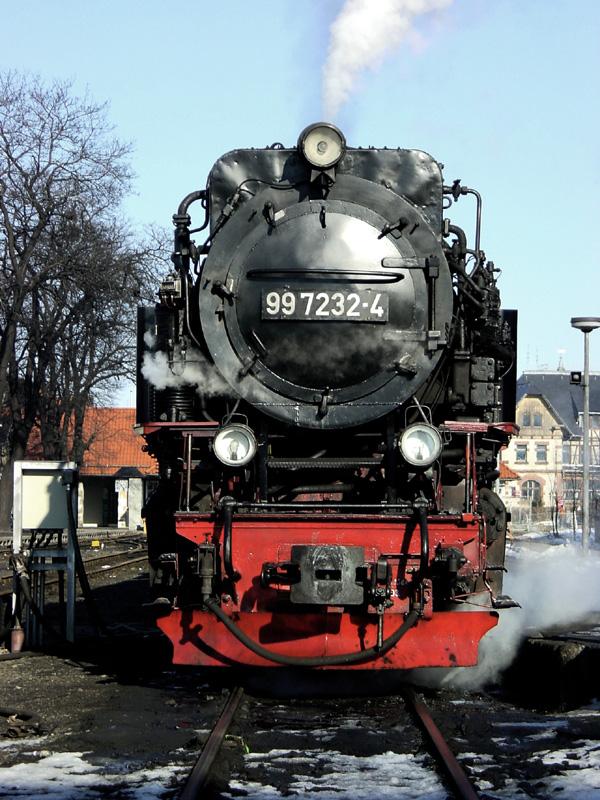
[(461, 786), (455, 777), (94, 565), (201, 772), (108, 536)]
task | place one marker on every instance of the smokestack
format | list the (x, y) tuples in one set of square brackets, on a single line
[(361, 36)]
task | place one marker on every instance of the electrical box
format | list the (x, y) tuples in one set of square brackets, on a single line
[(40, 497)]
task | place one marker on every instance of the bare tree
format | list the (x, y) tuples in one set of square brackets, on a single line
[(69, 271), (85, 328)]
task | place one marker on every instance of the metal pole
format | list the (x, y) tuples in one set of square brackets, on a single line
[(530, 493), (586, 325), (585, 530)]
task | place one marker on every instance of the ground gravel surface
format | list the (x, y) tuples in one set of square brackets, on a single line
[(111, 718), (368, 746)]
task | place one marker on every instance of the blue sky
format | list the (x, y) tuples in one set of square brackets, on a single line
[(503, 92)]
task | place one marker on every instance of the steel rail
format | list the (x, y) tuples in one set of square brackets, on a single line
[(201, 771), (118, 554), (6, 542), (118, 565), (96, 571), (461, 785)]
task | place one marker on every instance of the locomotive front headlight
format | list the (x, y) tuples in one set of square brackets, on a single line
[(235, 445), (420, 444), (322, 145)]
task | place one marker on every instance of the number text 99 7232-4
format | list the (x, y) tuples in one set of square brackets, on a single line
[(323, 306)]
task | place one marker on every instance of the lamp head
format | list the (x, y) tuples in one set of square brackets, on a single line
[(585, 324), (322, 145)]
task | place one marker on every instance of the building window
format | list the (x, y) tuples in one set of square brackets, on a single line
[(526, 419), (531, 490), (566, 453), (537, 420), (541, 453), (521, 452)]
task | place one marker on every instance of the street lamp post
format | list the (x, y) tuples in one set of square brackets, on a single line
[(586, 325)]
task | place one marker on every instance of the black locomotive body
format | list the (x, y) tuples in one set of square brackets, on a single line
[(326, 383)]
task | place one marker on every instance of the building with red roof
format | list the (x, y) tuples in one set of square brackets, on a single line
[(116, 475), (114, 444), (507, 474)]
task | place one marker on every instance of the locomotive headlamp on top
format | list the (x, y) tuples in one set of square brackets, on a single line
[(322, 145), (420, 445), (235, 445)]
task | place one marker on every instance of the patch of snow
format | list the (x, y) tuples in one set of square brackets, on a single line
[(402, 776), (13, 744), (578, 777), (253, 791), (324, 735), (67, 776), (465, 701), (591, 710), (482, 757), (552, 724), (540, 737)]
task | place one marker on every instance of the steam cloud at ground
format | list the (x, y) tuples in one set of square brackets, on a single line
[(556, 586), (362, 34)]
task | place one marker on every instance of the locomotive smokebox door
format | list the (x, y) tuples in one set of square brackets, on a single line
[(329, 575), (326, 312)]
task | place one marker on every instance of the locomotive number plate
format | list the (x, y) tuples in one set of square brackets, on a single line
[(324, 306)]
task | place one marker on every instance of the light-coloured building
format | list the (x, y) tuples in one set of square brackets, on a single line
[(547, 453)]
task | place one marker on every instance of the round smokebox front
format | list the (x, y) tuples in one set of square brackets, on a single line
[(319, 318)]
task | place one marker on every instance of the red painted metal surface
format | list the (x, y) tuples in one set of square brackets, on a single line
[(448, 639), (147, 428), (262, 539), (480, 427), (444, 639), (266, 534)]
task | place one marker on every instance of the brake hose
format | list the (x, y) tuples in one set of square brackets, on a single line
[(322, 661), (317, 661)]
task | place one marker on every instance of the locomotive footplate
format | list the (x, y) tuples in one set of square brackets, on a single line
[(328, 575)]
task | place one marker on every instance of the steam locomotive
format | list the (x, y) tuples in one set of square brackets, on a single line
[(325, 383)]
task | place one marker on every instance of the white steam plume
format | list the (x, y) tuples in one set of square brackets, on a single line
[(361, 36), (557, 588), (196, 371)]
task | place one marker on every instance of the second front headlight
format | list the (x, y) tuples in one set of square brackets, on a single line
[(420, 444)]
